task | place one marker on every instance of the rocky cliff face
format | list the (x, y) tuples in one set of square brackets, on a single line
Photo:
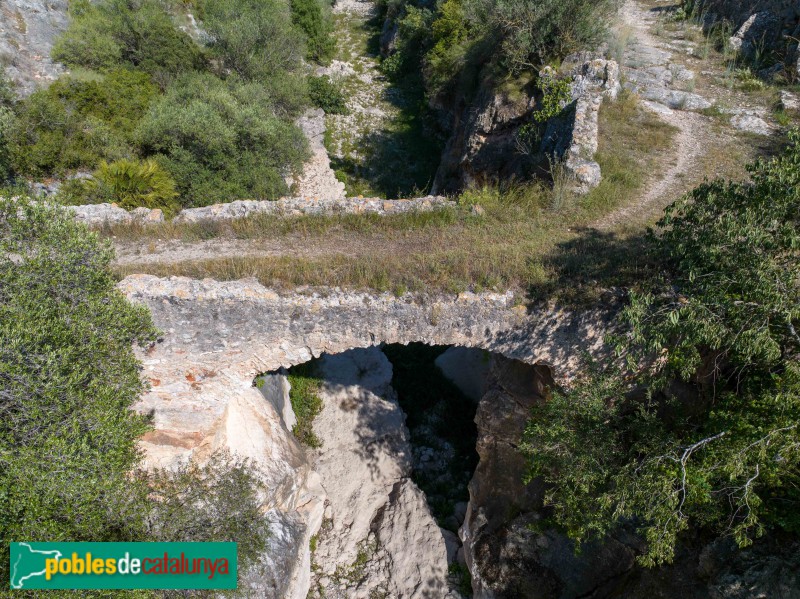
[(486, 145), (28, 29), (512, 556)]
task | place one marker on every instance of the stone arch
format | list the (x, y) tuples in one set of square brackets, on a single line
[(218, 336)]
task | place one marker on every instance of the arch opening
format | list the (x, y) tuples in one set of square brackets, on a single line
[(392, 430)]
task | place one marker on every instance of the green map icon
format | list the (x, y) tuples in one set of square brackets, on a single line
[(27, 562)]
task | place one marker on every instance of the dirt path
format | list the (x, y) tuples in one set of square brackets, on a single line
[(336, 243), (686, 92)]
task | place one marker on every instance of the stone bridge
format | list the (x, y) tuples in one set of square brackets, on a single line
[(218, 336)]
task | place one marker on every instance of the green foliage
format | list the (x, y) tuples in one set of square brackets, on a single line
[(77, 122), (534, 33), (327, 95), (68, 377), (220, 501), (306, 403), (710, 435), (556, 94), (254, 38), (221, 141), (133, 184), (6, 121), (313, 18), (465, 40), (127, 33)]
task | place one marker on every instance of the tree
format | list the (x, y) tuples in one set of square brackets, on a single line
[(69, 462), (221, 140), (704, 427), (68, 377), (127, 33), (313, 19)]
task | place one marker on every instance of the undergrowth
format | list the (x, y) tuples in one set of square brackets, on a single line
[(510, 245)]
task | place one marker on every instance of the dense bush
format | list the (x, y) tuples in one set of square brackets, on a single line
[(127, 33), (714, 438), (68, 377), (221, 141), (130, 184), (463, 39), (77, 122), (6, 120), (327, 95), (312, 17), (254, 38)]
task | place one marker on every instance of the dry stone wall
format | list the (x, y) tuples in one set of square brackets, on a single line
[(100, 214)]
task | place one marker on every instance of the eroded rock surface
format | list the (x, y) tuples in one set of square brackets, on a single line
[(217, 337), (28, 29), (317, 179), (378, 536)]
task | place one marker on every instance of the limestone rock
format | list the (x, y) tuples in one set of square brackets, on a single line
[(408, 533), (754, 31), (381, 536), (317, 179), (105, 214), (275, 389), (751, 123), (310, 205), (28, 29), (789, 101)]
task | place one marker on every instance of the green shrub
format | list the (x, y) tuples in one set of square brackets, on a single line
[(254, 38), (313, 18), (134, 184), (127, 33), (76, 123), (6, 122), (69, 454), (532, 34), (327, 95), (68, 378), (221, 141), (306, 403), (704, 427)]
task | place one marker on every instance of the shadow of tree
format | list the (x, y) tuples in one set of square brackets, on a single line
[(593, 262)]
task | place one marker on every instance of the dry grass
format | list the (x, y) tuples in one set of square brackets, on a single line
[(515, 244)]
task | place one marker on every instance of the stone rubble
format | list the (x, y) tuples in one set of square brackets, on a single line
[(318, 179), (111, 214)]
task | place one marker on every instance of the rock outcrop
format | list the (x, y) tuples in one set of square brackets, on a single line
[(379, 536), (318, 179), (28, 29), (217, 337), (486, 146)]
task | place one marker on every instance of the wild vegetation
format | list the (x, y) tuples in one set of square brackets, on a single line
[(461, 42), (69, 461), (211, 109), (524, 239), (700, 427)]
